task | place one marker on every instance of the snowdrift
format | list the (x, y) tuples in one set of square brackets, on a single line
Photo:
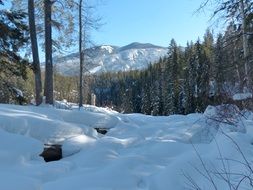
[(138, 153)]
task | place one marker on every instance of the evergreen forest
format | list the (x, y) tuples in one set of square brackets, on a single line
[(208, 71)]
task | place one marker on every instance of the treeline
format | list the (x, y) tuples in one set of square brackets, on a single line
[(187, 80), (207, 71)]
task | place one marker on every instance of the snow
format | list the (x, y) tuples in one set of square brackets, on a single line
[(107, 48), (18, 92), (95, 69), (138, 153), (242, 96), (107, 58)]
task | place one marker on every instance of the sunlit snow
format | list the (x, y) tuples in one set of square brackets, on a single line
[(138, 153)]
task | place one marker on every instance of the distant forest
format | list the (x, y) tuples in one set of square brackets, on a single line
[(190, 78), (187, 80)]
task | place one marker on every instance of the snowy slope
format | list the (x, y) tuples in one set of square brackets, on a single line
[(138, 153), (108, 58)]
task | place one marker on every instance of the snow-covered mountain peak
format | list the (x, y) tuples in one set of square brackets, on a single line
[(108, 58), (107, 48), (137, 45)]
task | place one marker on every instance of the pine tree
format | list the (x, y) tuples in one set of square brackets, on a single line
[(155, 98), (127, 96), (240, 13), (154, 90), (233, 62), (202, 77), (190, 79), (136, 92), (51, 11), (172, 79), (12, 66), (145, 93), (219, 66), (167, 89)]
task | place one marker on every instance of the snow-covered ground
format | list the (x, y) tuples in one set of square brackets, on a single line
[(138, 153)]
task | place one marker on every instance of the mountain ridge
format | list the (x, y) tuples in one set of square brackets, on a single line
[(109, 58)]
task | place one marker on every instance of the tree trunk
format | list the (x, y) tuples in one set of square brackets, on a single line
[(48, 86), (35, 53), (81, 54), (245, 44)]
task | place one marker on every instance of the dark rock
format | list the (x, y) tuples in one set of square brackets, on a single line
[(102, 131), (52, 153)]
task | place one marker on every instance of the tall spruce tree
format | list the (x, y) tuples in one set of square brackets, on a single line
[(219, 69), (190, 79), (154, 91), (173, 78), (145, 93)]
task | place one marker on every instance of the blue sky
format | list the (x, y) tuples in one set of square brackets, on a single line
[(150, 21)]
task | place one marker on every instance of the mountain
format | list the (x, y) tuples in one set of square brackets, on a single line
[(107, 58)]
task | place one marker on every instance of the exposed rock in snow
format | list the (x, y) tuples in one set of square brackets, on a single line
[(52, 153)]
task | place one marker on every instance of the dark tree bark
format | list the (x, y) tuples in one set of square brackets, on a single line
[(81, 54), (245, 44), (35, 53), (48, 86)]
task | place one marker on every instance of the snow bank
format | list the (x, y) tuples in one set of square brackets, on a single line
[(16, 149), (12, 181), (139, 152), (16, 152), (43, 124), (73, 145)]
